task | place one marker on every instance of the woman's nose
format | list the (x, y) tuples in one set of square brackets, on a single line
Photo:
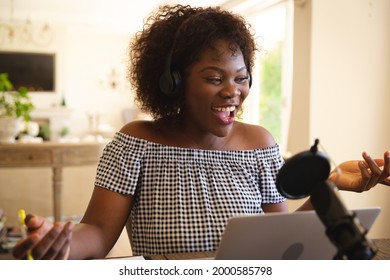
[(230, 91)]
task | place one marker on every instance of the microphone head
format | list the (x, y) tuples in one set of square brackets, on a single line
[(301, 173)]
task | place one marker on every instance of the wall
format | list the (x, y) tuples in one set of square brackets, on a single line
[(91, 56), (85, 58), (349, 87)]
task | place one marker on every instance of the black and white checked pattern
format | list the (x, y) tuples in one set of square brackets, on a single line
[(185, 196)]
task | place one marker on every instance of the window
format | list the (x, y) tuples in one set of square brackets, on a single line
[(269, 100)]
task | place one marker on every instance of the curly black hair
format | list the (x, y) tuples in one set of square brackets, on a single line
[(186, 31)]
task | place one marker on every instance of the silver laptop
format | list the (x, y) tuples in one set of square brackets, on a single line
[(273, 236)]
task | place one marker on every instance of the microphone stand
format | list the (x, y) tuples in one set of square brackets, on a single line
[(342, 226)]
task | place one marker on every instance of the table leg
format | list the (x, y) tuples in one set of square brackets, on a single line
[(57, 189)]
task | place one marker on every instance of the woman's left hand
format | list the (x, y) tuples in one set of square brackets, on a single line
[(362, 175)]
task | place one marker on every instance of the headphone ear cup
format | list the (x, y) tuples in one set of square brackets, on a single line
[(177, 81), (166, 83), (170, 82)]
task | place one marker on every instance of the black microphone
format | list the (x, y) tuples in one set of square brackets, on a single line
[(300, 173), (306, 174)]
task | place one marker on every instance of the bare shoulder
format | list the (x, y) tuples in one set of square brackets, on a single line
[(254, 136), (142, 129)]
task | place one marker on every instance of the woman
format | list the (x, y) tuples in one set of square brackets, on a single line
[(182, 175)]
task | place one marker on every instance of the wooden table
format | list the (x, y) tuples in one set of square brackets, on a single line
[(51, 154), (382, 254)]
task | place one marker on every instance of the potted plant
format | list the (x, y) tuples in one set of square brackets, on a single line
[(15, 106)]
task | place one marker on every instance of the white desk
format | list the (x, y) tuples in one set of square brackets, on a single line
[(54, 155)]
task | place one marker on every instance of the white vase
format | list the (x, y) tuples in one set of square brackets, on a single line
[(9, 129)]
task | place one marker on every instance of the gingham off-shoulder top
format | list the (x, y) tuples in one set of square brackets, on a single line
[(184, 196)]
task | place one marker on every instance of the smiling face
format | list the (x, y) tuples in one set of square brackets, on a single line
[(215, 87)]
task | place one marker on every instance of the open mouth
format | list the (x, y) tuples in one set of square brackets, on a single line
[(228, 109), (225, 113)]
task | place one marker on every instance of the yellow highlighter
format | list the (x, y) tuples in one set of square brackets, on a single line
[(22, 217)]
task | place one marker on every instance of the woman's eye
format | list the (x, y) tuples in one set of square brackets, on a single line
[(213, 80), (219, 80), (241, 80)]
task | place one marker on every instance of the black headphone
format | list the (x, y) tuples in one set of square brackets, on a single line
[(170, 80), (249, 77)]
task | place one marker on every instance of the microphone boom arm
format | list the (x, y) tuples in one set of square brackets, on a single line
[(343, 228)]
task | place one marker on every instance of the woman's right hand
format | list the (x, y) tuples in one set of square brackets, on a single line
[(44, 239)]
